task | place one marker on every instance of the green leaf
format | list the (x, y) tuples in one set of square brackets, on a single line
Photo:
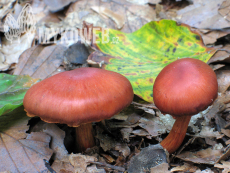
[(141, 55), (12, 91)]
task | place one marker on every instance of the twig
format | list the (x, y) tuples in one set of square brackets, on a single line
[(109, 166)]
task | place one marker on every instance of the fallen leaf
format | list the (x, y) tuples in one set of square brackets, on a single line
[(40, 61), (186, 167), (73, 163), (224, 165), (223, 78), (206, 156), (56, 5), (224, 10), (57, 138), (222, 55), (207, 131), (140, 58), (132, 16), (203, 14), (117, 18), (22, 152), (126, 133), (12, 91), (162, 168), (211, 36), (226, 132), (107, 143)]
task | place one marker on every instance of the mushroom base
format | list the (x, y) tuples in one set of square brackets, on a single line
[(84, 137), (176, 136)]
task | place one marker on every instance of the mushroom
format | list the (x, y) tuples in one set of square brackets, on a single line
[(183, 88), (78, 98)]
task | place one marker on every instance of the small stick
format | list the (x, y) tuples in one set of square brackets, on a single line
[(109, 166)]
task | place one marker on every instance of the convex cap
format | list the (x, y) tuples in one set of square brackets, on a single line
[(79, 96), (185, 87)]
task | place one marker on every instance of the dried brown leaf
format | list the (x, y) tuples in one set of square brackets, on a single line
[(212, 36), (22, 152), (162, 168), (223, 78), (56, 5), (224, 165), (126, 14), (207, 156), (222, 55), (224, 9), (107, 143), (40, 61), (203, 14), (226, 132), (186, 167), (118, 19), (57, 135), (73, 163)]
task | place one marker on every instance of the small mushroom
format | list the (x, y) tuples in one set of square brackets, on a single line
[(183, 88), (77, 98)]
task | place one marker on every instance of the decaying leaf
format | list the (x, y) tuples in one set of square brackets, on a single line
[(207, 131), (203, 14), (132, 16), (223, 78), (73, 163), (162, 168), (57, 138), (141, 55), (117, 18), (55, 5), (224, 165), (186, 167), (206, 156), (223, 55), (211, 36), (224, 9), (108, 143), (21, 152), (41, 61)]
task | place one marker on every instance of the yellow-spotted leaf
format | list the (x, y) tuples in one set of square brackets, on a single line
[(141, 55)]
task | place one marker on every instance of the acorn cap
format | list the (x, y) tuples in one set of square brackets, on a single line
[(185, 87), (79, 96)]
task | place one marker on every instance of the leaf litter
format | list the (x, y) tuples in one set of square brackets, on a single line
[(128, 133)]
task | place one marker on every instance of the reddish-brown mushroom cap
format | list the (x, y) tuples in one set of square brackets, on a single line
[(185, 87), (79, 96)]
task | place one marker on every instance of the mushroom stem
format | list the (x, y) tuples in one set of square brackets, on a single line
[(176, 136), (84, 137)]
